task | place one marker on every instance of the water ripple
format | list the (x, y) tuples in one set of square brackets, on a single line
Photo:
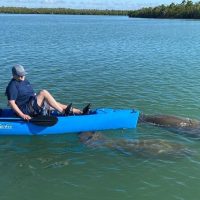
[(151, 65)]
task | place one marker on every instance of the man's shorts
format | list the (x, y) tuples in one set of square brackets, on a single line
[(32, 108)]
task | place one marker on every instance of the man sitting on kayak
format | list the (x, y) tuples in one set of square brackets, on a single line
[(24, 101)]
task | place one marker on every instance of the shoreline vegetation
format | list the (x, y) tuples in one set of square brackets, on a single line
[(185, 10), (61, 11)]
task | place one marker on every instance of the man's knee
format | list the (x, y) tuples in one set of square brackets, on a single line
[(43, 92)]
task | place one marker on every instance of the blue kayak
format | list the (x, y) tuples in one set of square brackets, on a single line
[(97, 120)]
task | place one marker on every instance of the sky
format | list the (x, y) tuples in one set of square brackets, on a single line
[(88, 4)]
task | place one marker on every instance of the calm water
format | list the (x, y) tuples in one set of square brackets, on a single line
[(151, 65)]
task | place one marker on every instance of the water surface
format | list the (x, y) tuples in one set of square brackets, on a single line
[(151, 65)]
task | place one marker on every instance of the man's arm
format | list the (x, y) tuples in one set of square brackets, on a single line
[(14, 106)]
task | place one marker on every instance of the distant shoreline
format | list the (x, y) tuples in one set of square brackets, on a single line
[(61, 11), (185, 10)]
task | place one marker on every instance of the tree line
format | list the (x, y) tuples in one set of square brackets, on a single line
[(61, 11), (185, 10)]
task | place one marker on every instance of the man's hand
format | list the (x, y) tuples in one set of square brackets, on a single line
[(18, 111), (26, 117)]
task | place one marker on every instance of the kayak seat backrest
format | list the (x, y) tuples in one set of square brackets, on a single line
[(1, 112)]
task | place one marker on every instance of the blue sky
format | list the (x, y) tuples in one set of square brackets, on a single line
[(88, 4)]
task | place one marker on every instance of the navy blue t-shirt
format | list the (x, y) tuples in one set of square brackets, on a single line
[(20, 91)]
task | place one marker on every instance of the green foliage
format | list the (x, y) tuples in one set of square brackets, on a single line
[(185, 10), (61, 11)]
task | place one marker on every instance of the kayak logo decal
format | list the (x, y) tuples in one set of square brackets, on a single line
[(5, 126)]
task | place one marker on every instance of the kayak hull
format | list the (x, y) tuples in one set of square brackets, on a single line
[(98, 120)]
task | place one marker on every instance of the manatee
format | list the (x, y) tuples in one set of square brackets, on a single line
[(187, 126), (142, 147)]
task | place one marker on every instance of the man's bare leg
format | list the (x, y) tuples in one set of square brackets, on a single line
[(45, 95)]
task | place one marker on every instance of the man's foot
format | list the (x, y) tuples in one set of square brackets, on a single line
[(76, 111)]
